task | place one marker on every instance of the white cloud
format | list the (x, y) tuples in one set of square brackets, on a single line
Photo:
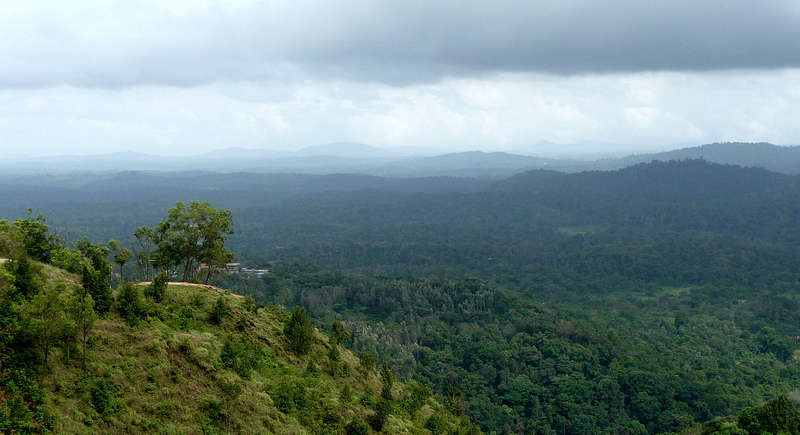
[(599, 113)]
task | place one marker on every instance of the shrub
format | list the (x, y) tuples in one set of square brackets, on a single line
[(367, 362), (101, 397), (158, 287), (184, 316), (129, 303), (416, 397), (240, 356), (290, 395), (219, 311), (299, 331), (382, 410), (356, 427), (435, 424)]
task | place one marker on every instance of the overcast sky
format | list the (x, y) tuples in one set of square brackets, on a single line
[(543, 77)]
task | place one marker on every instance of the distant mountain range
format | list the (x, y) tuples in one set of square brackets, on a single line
[(350, 157)]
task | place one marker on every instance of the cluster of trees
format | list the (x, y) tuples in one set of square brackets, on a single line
[(37, 316), (636, 359)]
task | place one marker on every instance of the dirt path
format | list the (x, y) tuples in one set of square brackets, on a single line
[(193, 284)]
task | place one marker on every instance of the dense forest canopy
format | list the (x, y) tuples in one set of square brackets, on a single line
[(650, 299)]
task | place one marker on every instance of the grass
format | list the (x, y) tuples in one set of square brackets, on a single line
[(166, 374)]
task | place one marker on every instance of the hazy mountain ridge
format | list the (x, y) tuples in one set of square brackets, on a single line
[(347, 157)]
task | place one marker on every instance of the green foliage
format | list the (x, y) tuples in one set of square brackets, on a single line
[(435, 424), (10, 240), (129, 303), (122, 255), (779, 414), (67, 259), (338, 333), (219, 311), (193, 234), (27, 276), (387, 381), (37, 244), (158, 287), (290, 395), (773, 342), (240, 356), (101, 397), (415, 398), (367, 363), (96, 274), (299, 331), (356, 427), (81, 311), (383, 408), (125, 369), (50, 322)]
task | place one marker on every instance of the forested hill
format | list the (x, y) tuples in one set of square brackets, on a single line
[(784, 159), (647, 299), (77, 356)]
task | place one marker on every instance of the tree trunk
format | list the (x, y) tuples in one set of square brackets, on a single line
[(186, 269)]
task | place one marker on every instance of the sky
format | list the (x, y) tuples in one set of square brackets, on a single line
[(539, 77)]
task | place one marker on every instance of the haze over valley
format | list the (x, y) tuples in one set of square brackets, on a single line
[(354, 217)]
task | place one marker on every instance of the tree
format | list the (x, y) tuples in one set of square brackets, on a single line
[(144, 238), (219, 311), (299, 331), (129, 303), (338, 333), (121, 256), (158, 287), (193, 234), (95, 285), (50, 319), (96, 273), (34, 236), (82, 312), (27, 275), (10, 240), (387, 381)]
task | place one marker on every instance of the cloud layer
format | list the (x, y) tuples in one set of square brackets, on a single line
[(188, 42), (177, 76)]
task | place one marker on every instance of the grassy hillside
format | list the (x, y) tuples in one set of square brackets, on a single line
[(183, 365)]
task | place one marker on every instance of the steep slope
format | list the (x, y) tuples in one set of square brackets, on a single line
[(203, 362)]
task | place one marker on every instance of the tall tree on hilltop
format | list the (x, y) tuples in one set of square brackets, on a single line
[(121, 256), (38, 244), (145, 238), (193, 234)]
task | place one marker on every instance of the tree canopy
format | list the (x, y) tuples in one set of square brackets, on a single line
[(192, 235)]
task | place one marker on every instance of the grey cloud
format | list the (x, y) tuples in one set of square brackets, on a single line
[(127, 43)]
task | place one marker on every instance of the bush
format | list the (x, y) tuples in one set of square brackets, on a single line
[(290, 395), (129, 303), (356, 427), (416, 397), (382, 410), (101, 397), (240, 356), (219, 311), (367, 362), (299, 331), (158, 287), (184, 317), (436, 424)]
